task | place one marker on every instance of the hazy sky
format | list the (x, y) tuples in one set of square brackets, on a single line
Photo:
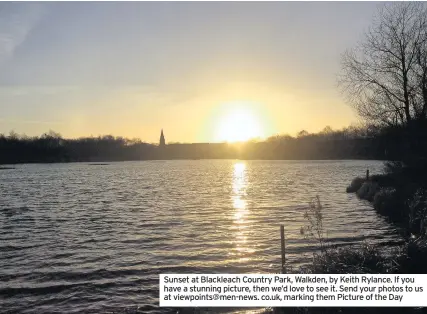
[(132, 68)]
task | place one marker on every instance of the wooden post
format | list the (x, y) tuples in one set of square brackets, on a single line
[(367, 174), (282, 241)]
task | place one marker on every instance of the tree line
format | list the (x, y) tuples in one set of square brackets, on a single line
[(368, 142)]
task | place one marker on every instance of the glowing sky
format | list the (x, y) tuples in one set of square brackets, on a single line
[(131, 69)]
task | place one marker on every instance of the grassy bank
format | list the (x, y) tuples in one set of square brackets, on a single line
[(400, 194), (408, 258)]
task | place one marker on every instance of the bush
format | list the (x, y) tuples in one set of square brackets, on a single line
[(365, 260), (355, 185), (383, 180), (412, 257), (367, 190), (409, 258), (417, 208), (387, 202)]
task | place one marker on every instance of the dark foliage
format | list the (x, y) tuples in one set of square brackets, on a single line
[(51, 147), (349, 143)]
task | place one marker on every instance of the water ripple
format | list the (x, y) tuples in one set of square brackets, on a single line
[(81, 239)]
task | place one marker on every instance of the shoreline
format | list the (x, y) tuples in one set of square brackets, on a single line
[(104, 161)]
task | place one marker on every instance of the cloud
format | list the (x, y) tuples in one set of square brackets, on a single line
[(17, 20)]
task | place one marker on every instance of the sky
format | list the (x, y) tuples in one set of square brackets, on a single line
[(195, 69)]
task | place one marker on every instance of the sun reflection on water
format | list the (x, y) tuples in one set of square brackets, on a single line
[(240, 184)]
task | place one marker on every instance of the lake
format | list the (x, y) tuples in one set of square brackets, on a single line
[(83, 237)]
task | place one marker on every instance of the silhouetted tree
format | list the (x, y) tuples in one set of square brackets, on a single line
[(13, 135), (327, 130), (385, 76), (302, 133)]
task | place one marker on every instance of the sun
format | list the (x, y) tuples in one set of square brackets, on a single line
[(238, 124)]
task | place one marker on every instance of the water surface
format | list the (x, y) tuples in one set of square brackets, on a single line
[(93, 238)]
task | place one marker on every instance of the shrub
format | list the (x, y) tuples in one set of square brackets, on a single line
[(386, 202), (411, 258), (367, 190), (383, 180), (314, 217), (355, 185), (350, 260), (417, 208)]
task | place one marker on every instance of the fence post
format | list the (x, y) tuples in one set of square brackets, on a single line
[(367, 174), (282, 241)]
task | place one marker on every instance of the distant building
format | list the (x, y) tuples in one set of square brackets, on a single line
[(162, 139)]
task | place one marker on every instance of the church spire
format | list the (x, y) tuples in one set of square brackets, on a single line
[(162, 139)]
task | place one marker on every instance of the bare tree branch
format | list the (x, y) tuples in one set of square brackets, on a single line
[(385, 77)]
